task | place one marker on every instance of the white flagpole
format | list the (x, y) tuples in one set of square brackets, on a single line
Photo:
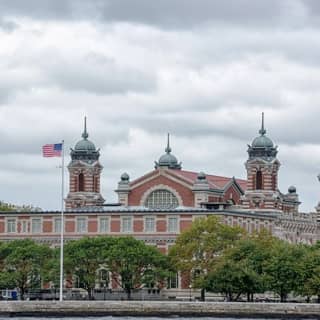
[(62, 225)]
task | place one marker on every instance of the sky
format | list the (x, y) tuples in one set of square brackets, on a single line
[(203, 70)]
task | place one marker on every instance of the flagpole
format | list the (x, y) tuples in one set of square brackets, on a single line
[(62, 224)]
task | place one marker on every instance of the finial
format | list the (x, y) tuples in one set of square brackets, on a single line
[(262, 131), (168, 149), (85, 134)]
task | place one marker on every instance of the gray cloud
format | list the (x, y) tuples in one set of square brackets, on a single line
[(204, 71), (166, 13), (100, 75)]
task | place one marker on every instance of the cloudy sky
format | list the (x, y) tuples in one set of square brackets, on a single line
[(203, 70)]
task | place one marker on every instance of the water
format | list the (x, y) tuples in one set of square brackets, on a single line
[(137, 318)]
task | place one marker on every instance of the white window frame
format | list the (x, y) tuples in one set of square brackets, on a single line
[(146, 225), (170, 230), (22, 224), (107, 229), (55, 229), (177, 281), (82, 230), (32, 226), (162, 199), (14, 224), (128, 230)]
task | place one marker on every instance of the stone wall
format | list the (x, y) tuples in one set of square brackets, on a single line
[(157, 308)]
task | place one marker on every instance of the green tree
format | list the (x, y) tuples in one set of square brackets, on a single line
[(283, 269), (24, 264), (197, 250), (241, 268), (310, 265), (134, 264), (84, 257)]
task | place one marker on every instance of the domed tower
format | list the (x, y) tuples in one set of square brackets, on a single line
[(168, 160), (262, 174), (84, 174)]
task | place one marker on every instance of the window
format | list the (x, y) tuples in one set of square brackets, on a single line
[(81, 182), (173, 281), (104, 278), (24, 226), (95, 184), (11, 225), (162, 199), (149, 224), (172, 224), (36, 225), (57, 225), (274, 182), (81, 225), (103, 224), (126, 224), (259, 180)]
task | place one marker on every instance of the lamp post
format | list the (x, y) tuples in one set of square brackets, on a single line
[(104, 291), (190, 287)]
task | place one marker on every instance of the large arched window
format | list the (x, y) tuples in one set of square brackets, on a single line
[(259, 180), (81, 182), (161, 199)]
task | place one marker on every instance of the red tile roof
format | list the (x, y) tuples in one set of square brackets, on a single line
[(217, 182)]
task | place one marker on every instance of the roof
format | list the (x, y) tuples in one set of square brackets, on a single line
[(132, 210), (217, 182)]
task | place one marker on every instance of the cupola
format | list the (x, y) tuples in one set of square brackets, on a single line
[(262, 146), (168, 160), (84, 149)]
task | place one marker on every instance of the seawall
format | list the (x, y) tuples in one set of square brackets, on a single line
[(157, 308)]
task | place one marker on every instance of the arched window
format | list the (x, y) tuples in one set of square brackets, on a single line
[(81, 182), (95, 184), (259, 180), (161, 199), (274, 182)]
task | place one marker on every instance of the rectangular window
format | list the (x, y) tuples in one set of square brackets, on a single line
[(103, 225), (149, 224), (36, 225), (11, 225), (173, 281), (24, 226), (57, 225), (173, 224), (82, 225), (126, 224)]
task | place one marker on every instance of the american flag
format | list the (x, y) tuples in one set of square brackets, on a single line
[(52, 150)]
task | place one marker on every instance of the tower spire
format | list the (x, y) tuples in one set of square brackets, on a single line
[(262, 131), (85, 134), (168, 149)]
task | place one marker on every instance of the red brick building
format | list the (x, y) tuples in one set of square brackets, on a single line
[(158, 206)]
